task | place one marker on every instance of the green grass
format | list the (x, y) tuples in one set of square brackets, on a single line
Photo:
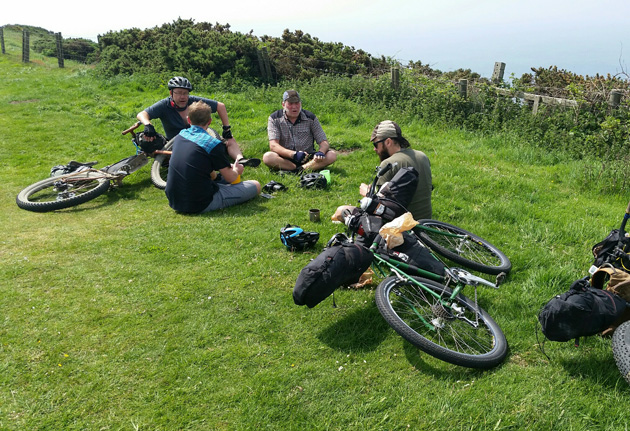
[(121, 314)]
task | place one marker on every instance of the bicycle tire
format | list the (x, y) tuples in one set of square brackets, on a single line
[(475, 253), (621, 349), (159, 168), (45, 195), (450, 338)]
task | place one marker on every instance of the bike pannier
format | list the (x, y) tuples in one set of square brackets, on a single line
[(580, 312)]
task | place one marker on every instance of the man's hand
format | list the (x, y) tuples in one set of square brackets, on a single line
[(238, 168), (364, 189), (227, 132), (319, 155), (299, 156), (149, 131)]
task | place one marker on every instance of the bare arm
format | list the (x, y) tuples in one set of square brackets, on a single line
[(222, 113), (323, 147), (231, 173), (274, 145), (143, 117)]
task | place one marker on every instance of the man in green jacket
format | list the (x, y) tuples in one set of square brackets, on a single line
[(393, 148)]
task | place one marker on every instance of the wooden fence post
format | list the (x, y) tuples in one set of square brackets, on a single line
[(536, 104), (614, 100), (395, 77), (25, 46), (261, 65), (59, 50), (463, 88), (266, 63), (497, 74), (2, 39)]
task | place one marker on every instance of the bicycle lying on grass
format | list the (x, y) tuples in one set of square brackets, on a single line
[(81, 182), (427, 308), (615, 254), (77, 183)]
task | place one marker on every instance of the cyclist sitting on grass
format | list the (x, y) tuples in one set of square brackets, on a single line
[(292, 131), (196, 155), (173, 111), (392, 148)]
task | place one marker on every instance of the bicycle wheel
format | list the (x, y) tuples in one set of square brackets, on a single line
[(159, 168), (621, 349), (471, 251), (62, 192), (460, 333)]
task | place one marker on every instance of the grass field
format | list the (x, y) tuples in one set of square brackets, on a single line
[(121, 314)]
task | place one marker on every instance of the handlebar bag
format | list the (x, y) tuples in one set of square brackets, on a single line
[(398, 192), (336, 266), (603, 251)]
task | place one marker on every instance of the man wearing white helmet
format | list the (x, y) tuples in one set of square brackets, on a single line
[(173, 112)]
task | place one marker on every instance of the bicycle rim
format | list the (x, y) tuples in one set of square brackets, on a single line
[(473, 252), (159, 168), (63, 192), (460, 333)]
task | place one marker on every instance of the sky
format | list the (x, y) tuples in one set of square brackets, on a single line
[(583, 37)]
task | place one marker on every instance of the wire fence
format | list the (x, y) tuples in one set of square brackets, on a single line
[(37, 45), (44, 47)]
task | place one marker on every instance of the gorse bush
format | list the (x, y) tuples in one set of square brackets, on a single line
[(215, 52), (213, 56)]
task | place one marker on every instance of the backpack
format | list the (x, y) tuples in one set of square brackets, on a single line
[(580, 312), (336, 266)]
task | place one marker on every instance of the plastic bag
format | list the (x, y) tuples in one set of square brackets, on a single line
[(392, 232)]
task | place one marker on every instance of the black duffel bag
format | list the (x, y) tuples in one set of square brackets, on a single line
[(580, 312), (336, 266)]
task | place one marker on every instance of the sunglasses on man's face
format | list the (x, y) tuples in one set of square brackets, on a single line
[(378, 142)]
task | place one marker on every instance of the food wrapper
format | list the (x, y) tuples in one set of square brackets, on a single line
[(392, 232), (365, 280)]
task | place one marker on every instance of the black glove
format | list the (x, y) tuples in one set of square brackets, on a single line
[(299, 156), (319, 154), (149, 131), (227, 132)]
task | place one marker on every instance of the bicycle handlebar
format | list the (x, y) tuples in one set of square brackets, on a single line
[(132, 128), (380, 172)]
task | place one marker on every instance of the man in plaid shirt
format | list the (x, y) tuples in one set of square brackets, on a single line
[(293, 132)]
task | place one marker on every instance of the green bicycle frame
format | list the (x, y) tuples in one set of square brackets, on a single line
[(401, 269)]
